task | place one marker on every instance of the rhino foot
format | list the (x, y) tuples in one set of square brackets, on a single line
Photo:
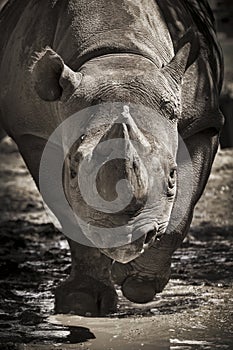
[(85, 297), (142, 290)]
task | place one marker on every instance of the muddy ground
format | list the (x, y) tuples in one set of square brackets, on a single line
[(193, 312)]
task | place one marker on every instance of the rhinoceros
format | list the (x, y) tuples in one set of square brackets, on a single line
[(157, 67)]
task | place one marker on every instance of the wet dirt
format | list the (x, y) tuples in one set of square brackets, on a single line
[(193, 312)]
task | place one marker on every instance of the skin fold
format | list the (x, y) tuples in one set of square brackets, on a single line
[(159, 61)]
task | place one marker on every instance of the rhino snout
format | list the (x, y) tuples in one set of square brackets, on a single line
[(109, 172), (115, 180), (131, 251)]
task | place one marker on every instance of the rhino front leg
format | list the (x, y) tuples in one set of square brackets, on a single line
[(88, 290), (142, 278), (147, 275)]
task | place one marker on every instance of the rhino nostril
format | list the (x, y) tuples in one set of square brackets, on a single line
[(149, 236)]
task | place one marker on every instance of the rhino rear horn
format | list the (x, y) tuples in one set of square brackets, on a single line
[(186, 53), (51, 77)]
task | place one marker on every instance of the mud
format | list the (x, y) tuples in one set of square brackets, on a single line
[(193, 312)]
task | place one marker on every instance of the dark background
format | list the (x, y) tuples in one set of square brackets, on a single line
[(223, 12)]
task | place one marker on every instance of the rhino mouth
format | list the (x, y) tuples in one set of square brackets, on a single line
[(152, 236), (149, 239), (129, 252)]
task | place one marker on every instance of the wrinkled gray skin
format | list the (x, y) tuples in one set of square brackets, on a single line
[(58, 57)]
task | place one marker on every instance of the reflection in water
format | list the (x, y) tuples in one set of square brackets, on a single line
[(79, 335), (204, 328)]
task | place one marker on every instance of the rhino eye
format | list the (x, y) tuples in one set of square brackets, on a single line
[(73, 174), (170, 105), (172, 173)]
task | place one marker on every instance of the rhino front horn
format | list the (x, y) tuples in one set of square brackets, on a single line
[(121, 161), (116, 179)]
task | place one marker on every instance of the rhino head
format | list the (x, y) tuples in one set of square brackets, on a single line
[(127, 150)]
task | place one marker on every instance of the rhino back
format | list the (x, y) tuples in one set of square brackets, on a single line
[(76, 30), (180, 15), (203, 80)]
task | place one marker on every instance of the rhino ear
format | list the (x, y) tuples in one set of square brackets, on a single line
[(186, 53), (51, 77)]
